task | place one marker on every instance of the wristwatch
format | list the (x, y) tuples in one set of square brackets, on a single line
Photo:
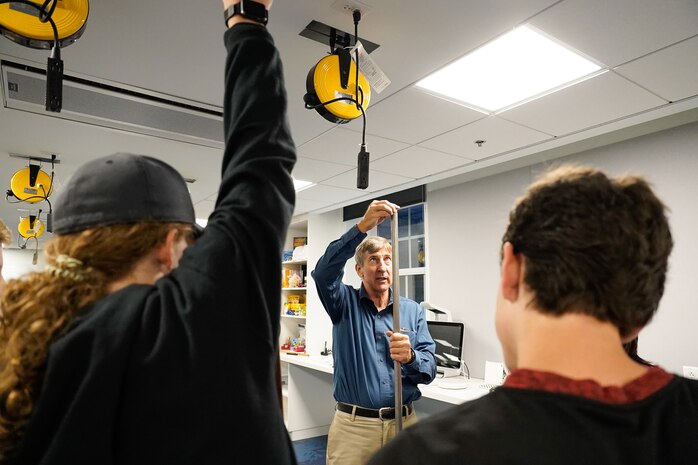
[(247, 9)]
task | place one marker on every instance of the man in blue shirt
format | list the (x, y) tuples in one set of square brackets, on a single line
[(365, 343)]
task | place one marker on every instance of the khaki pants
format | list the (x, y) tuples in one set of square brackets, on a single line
[(352, 439)]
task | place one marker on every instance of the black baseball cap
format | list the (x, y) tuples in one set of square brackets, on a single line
[(122, 188)]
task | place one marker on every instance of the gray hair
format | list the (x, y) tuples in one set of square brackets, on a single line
[(370, 245)]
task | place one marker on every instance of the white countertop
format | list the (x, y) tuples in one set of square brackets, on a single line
[(472, 388), (316, 362)]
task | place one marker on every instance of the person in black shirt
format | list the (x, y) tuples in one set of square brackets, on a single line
[(127, 348), (583, 266)]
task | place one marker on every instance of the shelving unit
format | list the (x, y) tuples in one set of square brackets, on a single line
[(293, 270), (290, 323)]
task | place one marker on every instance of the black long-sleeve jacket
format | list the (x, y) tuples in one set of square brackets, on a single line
[(183, 371)]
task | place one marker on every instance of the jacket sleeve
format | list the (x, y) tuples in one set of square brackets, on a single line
[(329, 271), (230, 278)]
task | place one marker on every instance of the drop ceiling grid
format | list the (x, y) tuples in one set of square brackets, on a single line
[(412, 116), (342, 146), (617, 31), (325, 193), (651, 71), (499, 135), (417, 162), (599, 100), (308, 205), (412, 45), (378, 181), (309, 169)]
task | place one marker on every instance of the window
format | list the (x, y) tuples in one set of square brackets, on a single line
[(412, 250)]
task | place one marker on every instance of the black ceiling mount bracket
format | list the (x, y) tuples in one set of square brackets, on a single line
[(333, 37)]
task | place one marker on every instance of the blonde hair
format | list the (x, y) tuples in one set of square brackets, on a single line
[(370, 245), (37, 307), (5, 234)]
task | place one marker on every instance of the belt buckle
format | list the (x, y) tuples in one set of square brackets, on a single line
[(386, 410)]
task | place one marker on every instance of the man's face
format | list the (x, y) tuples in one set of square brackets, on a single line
[(376, 272)]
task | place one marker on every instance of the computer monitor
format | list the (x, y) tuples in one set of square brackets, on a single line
[(448, 336)]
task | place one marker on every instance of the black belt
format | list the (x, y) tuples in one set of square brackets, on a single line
[(385, 413)]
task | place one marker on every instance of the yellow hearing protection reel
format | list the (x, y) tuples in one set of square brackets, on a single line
[(51, 25), (30, 226), (24, 24), (31, 184), (334, 78), (339, 92)]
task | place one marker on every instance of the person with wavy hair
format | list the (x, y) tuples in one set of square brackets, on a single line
[(5, 238), (583, 266), (126, 348)]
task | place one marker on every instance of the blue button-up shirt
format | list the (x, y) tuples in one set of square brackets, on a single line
[(363, 370)]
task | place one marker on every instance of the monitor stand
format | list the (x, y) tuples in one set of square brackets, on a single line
[(458, 382), (450, 378)]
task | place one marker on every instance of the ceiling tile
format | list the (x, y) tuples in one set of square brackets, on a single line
[(417, 162), (599, 100), (342, 146), (308, 205), (326, 193), (309, 169), (617, 31), (377, 180), (499, 136), (412, 116), (611, 31), (651, 71)]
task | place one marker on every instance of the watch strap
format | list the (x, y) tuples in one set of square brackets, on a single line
[(237, 9)]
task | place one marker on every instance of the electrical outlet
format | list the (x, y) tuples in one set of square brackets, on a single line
[(690, 372), (494, 372)]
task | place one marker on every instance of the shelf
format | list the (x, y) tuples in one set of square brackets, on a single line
[(294, 289), (298, 317), (297, 262)]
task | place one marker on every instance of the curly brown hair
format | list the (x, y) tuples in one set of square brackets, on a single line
[(593, 245), (38, 307), (5, 234)]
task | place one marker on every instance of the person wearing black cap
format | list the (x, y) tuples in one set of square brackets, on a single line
[(127, 348)]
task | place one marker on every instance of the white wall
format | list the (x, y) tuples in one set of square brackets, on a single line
[(17, 262), (466, 223), (322, 229)]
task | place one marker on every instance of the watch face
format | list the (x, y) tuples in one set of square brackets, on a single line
[(253, 10)]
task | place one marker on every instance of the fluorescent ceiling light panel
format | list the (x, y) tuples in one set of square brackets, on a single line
[(301, 185), (511, 69)]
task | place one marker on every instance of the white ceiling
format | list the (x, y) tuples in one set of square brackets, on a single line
[(175, 48)]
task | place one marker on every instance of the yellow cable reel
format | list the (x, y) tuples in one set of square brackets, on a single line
[(323, 84), (30, 226), (24, 189), (20, 23)]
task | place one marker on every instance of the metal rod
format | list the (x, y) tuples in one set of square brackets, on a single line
[(396, 320)]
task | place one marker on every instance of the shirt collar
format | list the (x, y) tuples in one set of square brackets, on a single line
[(364, 295)]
